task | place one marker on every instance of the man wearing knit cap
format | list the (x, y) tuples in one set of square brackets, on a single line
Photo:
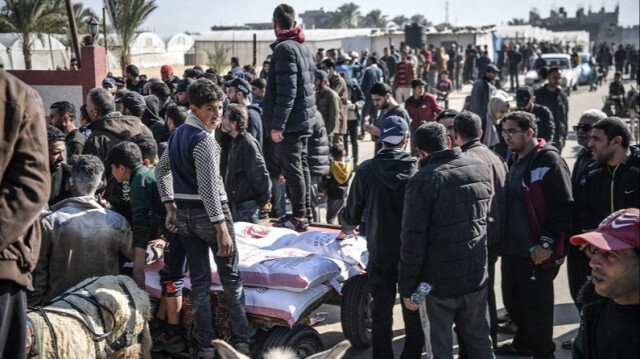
[(135, 82), (611, 298)]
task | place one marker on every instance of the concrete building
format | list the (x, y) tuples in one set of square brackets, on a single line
[(602, 25)]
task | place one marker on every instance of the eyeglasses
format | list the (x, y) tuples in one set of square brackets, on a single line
[(585, 128), (510, 133)]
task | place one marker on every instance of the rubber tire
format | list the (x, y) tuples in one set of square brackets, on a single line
[(568, 91), (304, 340), (355, 312), (575, 87)]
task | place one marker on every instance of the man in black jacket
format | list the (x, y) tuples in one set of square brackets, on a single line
[(525, 101), (290, 111), (246, 178), (554, 98), (444, 242), (60, 170), (611, 300), (539, 203), (378, 187), (467, 131), (612, 182)]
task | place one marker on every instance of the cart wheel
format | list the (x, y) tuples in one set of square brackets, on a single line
[(355, 312), (304, 341)]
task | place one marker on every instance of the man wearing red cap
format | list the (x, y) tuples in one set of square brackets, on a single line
[(611, 300), (166, 73)]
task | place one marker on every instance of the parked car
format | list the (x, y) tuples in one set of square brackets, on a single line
[(570, 75), (585, 68)]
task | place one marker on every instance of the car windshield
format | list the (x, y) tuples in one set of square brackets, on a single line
[(560, 62)]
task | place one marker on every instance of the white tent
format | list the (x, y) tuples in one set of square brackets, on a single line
[(48, 53), (177, 47), (147, 50)]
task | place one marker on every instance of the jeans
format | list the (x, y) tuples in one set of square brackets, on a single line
[(383, 278), (198, 235), (13, 320), (530, 304), (248, 211), (175, 266), (295, 169), (513, 74), (470, 315)]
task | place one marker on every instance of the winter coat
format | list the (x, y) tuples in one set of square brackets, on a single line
[(289, 103), (339, 85), (25, 182), (379, 187), (602, 191), (246, 177), (328, 103), (444, 225), (556, 101), (80, 239), (318, 149)]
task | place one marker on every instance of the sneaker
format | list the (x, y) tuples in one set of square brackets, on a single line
[(171, 345), (242, 348), (198, 352), (295, 224), (508, 327)]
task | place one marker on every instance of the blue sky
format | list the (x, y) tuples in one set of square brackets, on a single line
[(199, 15)]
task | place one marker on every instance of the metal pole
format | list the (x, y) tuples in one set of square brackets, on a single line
[(255, 50), (74, 31), (104, 31)]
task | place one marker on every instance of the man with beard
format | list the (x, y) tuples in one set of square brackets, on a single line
[(62, 115), (382, 97), (539, 206), (238, 92), (609, 323), (181, 97), (60, 171), (169, 79), (134, 81), (612, 182), (555, 99)]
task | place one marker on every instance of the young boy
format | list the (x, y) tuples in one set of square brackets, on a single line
[(338, 184), (444, 88), (191, 187)]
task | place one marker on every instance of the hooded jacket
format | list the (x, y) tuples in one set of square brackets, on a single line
[(603, 190), (289, 103), (110, 130), (25, 182), (378, 187), (246, 176), (444, 225), (254, 123)]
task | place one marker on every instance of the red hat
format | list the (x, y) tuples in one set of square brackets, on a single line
[(166, 69), (619, 231)]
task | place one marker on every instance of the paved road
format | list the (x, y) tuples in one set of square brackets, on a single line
[(566, 319)]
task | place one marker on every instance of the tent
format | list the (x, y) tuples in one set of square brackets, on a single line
[(177, 47), (48, 53)]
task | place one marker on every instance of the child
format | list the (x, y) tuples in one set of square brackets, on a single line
[(338, 183), (444, 88)]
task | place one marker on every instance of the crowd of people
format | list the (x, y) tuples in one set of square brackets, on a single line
[(445, 195)]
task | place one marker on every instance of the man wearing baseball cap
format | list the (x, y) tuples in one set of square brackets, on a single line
[(445, 118), (379, 186), (444, 224), (135, 81), (171, 80), (239, 91), (525, 101), (611, 299)]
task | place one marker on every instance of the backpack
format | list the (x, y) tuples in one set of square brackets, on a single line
[(356, 92)]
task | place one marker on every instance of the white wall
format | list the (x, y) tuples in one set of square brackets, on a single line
[(51, 94)]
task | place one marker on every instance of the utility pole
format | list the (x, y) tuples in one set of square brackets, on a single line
[(74, 31)]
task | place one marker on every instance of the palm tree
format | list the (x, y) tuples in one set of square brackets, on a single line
[(375, 19), (420, 20), (126, 17), (348, 14), (400, 20), (82, 14), (28, 18), (516, 21), (218, 60)]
